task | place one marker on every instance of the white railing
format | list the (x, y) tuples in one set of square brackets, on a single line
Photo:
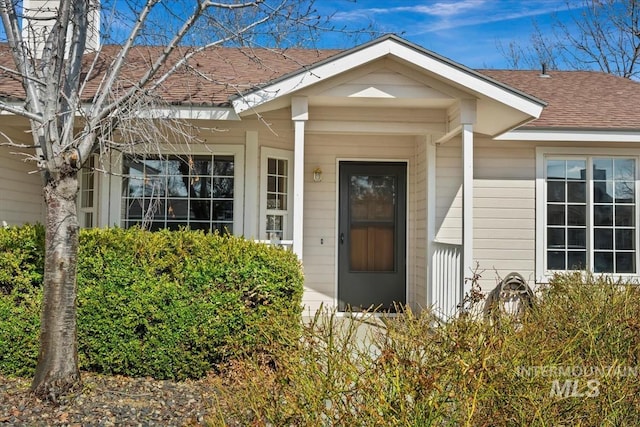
[(287, 244), (446, 278)]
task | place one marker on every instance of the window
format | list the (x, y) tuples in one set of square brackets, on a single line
[(275, 194), (589, 213), (87, 203), (197, 191)]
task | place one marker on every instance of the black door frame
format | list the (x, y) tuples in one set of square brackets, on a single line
[(400, 167)]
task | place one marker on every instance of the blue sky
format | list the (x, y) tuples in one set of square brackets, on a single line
[(466, 31)]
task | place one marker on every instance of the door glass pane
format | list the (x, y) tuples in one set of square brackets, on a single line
[(372, 201)]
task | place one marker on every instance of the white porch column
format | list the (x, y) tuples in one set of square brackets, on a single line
[(467, 120), (430, 197), (299, 115)]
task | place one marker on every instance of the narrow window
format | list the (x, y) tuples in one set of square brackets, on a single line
[(275, 198), (614, 215), (566, 215), (277, 184), (87, 198)]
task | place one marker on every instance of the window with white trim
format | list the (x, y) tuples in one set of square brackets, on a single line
[(590, 213), (275, 194), (87, 197), (195, 191)]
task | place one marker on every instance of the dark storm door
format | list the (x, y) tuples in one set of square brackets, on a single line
[(372, 235)]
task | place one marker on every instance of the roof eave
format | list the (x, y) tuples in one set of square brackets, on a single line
[(555, 134), (395, 46)]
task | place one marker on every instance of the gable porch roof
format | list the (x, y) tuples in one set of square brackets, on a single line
[(500, 107)]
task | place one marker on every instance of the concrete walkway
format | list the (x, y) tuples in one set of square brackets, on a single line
[(363, 331)]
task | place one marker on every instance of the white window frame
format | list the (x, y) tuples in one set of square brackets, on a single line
[(82, 191), (267, 153), (542, 153), (212, 150)]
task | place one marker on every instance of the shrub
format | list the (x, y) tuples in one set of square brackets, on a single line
[(464, 372), (21, 269), (21, 257), (164, 304)]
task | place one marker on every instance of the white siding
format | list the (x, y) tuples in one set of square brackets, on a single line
[(449, 192), (418, 290), (504, 212), (504, 206), (21, 198), (320, 206)]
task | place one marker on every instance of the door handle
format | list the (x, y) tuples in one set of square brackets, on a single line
[(341, 238)]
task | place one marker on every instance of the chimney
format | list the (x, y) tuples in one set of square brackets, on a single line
[(40, 15)]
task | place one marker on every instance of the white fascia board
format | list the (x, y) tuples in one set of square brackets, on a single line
[(477, 83), (189, 112), (544, 135), (459, 75), (195, 113), (311, 76), (182, 112)]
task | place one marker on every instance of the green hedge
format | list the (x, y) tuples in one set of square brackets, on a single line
[(164, 304)]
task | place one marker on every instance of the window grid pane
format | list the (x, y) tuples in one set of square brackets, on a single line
[(275, 227), (277, 198), (566, 214), (87, 194), (614, 215), (277, 184), (179, 191), (610, 214)]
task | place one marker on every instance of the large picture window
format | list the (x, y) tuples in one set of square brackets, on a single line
[(590, 213), (172, 191)]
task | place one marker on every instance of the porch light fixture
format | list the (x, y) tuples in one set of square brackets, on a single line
[(317, 175)]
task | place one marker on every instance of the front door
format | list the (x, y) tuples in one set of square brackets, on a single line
[(372, 235)]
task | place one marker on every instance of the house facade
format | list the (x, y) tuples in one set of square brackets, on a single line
[(392, 172)]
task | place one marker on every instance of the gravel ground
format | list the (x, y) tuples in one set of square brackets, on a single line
[(110, 401)]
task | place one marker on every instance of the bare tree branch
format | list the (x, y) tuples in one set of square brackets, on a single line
[(601, 34), (20, 111), (79, 104)]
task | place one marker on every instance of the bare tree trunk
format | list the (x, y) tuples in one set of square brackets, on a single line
[(57, 370)]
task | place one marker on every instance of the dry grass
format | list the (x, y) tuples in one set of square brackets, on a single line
[(573, 360)]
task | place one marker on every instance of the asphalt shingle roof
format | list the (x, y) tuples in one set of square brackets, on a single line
[(210, 79), (578, 99), (575, 99)]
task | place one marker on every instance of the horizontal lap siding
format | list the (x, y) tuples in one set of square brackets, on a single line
[(448, 226), (21, 198), (504, 205), (504, 209), (320, 204)]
